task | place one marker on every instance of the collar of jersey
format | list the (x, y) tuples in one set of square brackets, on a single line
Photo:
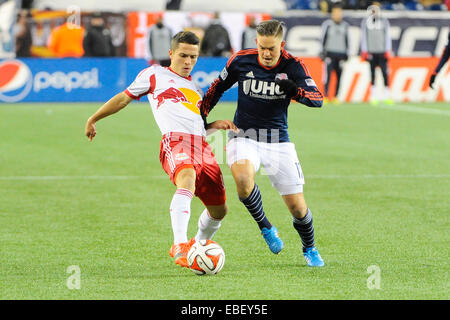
[(274, 66), (187, 78)]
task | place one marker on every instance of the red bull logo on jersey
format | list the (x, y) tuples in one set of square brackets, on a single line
[(187, 97), (172, 94), (15, 80)]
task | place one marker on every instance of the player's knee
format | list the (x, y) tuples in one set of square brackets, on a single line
[(224, 210), (297, 206), (218, 212), (244, 185), (298, 210), (221, 212), (186, 179)]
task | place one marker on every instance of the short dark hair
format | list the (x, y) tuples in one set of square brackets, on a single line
[(184, 37), (270, 28)]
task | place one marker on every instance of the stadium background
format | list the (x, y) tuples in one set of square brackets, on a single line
[(418, 39), (377, 177)]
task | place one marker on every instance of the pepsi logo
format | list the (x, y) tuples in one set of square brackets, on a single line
[(15, 80)]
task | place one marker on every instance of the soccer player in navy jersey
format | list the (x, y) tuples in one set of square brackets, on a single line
[(269, 78)]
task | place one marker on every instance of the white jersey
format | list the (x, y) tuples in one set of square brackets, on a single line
[(175, 100)]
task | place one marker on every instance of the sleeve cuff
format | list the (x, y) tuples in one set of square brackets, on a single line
[(128, 93)]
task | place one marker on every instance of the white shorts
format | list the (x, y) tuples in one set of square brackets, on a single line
[(279, 161)]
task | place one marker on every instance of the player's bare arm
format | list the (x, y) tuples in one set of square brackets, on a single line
[(113, 105), (222, 125)]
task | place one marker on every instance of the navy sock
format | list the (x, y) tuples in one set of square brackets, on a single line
[(254, 205), (305, 229)]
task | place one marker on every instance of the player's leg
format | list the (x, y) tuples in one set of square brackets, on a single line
[(180, 207), (243, 159), (209, 221), (302, 218), (334, 68), (373, 65), (250, 196), (243, 172), (244, 176), (385, 73), (296, 204), (287, 177), (328, 71), (303, 223), (210, 189), (339, 64), (180, 213), (183, 175)]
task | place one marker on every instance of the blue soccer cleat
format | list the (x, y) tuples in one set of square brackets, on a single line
[(272, 239), (313, 257)]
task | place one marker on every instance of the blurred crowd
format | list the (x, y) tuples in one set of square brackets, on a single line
[(325, 5), (58, 34), (62, 36), (215, 40)]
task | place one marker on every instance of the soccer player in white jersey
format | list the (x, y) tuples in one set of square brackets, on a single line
[(184, 153)]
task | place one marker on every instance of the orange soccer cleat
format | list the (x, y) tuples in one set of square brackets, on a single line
[(179, 252)]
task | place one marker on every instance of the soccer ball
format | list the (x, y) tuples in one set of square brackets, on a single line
[(206, 257)]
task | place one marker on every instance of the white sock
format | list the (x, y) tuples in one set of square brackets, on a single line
[(207, 226), (180, 212)]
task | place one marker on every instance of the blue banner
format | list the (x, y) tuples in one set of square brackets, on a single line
[(207, 70), (85, 79)]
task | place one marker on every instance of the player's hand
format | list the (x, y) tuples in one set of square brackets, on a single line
[(364, 56), (387, 55), (223, 125), (289, 87), (90, 130), (432, 79)]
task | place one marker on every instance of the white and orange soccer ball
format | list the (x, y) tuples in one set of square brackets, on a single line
[(206, 257)]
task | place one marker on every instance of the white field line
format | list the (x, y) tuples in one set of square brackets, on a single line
[(402, 107), (227, 176), (378, 176), (44, 178)]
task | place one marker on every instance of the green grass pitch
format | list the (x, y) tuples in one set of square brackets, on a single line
[(377, 182)]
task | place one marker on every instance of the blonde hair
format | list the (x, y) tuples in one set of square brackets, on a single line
[(270, 28)]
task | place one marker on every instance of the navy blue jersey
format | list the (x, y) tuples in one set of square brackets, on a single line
[(262, 105)]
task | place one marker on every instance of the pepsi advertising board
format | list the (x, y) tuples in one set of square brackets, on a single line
[(85, 79)]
